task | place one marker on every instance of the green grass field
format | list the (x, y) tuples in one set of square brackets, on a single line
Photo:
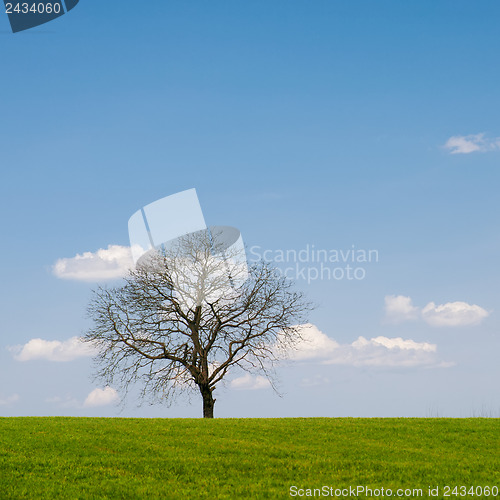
[(241, 458)]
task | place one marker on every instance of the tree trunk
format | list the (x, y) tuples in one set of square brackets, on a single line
[(208, 401)]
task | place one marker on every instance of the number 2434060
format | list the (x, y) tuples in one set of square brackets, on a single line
[(34, 8)]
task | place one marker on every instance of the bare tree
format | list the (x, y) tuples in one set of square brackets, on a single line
[(188, 314)]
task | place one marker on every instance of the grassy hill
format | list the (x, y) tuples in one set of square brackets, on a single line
[(242, 458)]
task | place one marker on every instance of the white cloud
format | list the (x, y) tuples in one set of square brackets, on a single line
[(465, 144), (250, 382), (384, 351), (105, 264), (53, 350), (101, 397), (399, 343), (378, 351), (314, 344), (399, 308), (453, 314), (9, 400)]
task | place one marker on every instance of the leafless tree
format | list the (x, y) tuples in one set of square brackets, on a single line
[(187, 315)]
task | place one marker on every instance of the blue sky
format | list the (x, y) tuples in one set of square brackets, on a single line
[(301, 123)]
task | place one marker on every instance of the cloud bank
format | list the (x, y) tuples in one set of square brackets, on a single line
[(376, 352), (466, 144), (106, 264), (399, 308), (52, 350)]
